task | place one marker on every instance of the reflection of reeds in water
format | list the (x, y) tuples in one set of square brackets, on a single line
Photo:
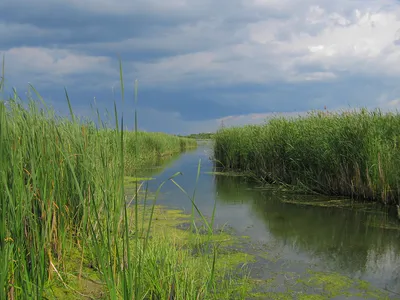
[(343, 238), (398, 211)]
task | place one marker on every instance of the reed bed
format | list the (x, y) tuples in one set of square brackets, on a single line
[(151, 147), (64, 213), (62, 187), (352, 153)]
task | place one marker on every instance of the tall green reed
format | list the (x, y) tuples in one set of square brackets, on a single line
[(131, 275), (351, 153), (63, 192)]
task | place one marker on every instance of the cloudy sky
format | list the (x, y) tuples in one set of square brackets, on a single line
[(199, 62)]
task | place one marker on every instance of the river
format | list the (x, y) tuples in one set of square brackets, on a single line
[(291, 238)]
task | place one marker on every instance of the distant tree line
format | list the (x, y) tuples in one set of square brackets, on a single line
[(201, 136)]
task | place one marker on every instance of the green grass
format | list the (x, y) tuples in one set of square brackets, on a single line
[(67, 227), (352, 154)]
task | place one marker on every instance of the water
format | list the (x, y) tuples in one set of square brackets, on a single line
[(292, 237)]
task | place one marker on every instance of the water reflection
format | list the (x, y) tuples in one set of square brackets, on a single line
[(336, 239)]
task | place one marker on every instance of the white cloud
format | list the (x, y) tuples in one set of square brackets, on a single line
[(368, 41), (314, 44), (394, 103), (44, 66), (303, 42), (55, 61), (388, 102)]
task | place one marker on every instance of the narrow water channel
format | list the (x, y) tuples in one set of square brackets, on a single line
[(293, 237)]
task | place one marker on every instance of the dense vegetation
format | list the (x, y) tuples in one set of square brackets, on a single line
[(65, 219), (152, 146), (350, 153)]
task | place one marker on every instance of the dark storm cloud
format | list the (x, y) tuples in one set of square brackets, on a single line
[(63, 24)]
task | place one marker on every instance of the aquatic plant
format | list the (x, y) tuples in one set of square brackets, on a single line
[(352, 153)]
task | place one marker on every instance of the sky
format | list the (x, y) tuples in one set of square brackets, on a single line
[(201, 63)]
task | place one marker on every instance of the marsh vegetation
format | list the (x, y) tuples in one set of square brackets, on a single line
[(69, 230), (290, 236), (354, 154)]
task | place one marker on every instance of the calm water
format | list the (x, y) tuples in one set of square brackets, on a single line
[(294, 237)]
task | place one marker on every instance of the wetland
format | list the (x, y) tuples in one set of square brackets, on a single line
[(300, 245), (90, 212)]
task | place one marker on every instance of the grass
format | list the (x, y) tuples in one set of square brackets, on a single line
[(353, 154), (65, 219)]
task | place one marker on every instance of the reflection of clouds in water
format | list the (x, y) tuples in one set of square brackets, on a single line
[(242, 220), (335, 239), (208, 153), (387, 264)]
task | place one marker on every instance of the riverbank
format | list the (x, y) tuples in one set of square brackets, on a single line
[(67, 228), (354, 154)]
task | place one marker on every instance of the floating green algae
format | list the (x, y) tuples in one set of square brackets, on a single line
[(332, 284), (168, 243), (129, 179), (227, 174), (74, 278), (341, 203), (314, 286), (197, 249)]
